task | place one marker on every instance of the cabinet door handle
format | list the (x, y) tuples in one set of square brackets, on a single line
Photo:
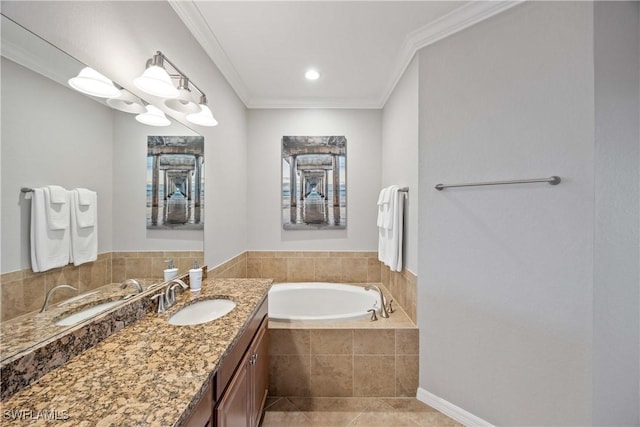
[(253, 358)]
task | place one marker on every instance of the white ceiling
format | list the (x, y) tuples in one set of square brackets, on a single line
[(360, 48)]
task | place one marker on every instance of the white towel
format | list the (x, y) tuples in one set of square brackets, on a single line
[(57, 207), (49, 248), (85, 197), (392, 191), (390, 234), (58, 194), (84, 206), (383, 205), (84, 238)]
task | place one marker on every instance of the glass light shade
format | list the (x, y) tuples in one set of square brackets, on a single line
[(184, 103), (91, 82), (153, 117), (203, 118), (156, 81), (127, 102)]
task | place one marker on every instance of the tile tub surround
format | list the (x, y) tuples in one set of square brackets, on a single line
[(23, 291), (337, 267), (403, 286), (356, 358), (149, 373)]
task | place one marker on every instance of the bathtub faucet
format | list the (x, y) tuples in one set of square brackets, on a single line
[(383, 307)]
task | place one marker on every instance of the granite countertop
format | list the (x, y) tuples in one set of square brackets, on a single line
[(148, 374), (33, 329)]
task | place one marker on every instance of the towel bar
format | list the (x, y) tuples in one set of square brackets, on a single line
[(554, 180)]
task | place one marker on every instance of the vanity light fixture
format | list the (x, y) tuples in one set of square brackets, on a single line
[(204, 117), (91, 82), (184, 102), (127, 102), (156, 80), (312, 75), (153, 117)]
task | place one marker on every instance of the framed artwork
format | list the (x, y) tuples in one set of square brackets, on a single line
[(175, 182), (314, 182)]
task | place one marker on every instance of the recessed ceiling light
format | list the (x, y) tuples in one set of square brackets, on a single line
[(312, 75)]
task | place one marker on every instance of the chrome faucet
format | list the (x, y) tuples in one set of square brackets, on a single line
[(383, 308), (55, 288), (170, 292), (132, 282)]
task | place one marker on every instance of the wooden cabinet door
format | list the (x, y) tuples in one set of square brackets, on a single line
[(259, 373), (233, 409), (202, 414)]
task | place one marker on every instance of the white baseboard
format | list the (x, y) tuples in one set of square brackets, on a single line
[(451, 410)]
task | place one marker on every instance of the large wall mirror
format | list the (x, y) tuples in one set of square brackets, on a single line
[(52, 134)]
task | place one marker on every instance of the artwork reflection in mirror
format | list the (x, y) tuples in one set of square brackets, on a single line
[(175, 182), (314, 182)]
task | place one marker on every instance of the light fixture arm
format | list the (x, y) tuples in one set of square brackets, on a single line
[(160, 58)]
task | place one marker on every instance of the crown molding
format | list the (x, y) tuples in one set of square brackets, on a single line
[(337, 103), (457, 20), (453, 22), (190, 15)]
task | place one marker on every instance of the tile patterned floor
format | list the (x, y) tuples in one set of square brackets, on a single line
[(352, 412)]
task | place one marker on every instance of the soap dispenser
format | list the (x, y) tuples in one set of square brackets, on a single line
[(170, 272), (195, 277)]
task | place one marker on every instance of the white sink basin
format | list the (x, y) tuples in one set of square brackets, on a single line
[(86, 313), (202, 312)]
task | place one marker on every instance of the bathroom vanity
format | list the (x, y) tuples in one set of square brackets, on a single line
[(153, 373)]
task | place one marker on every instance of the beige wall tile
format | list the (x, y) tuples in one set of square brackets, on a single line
[(373, 270), (374, 341), (254, 268), (354, 270), (328, 269), (10, 277), (406, 375), (22, 296), (289, 342), (138, 268), (331, 341), (62, 276), (407, 341), (315, 254), (300, 269), (281, 380), (274, 268), (92, 275), (118, 270), (373, 376), (331, 375)]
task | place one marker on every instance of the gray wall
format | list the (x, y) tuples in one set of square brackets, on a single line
[(117, 38), (616, 400), (506, 273), (51, 134), (264, 169), (400, 154)]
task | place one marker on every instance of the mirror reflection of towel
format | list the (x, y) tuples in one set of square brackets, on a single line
[(50, 248), (84, 226)]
